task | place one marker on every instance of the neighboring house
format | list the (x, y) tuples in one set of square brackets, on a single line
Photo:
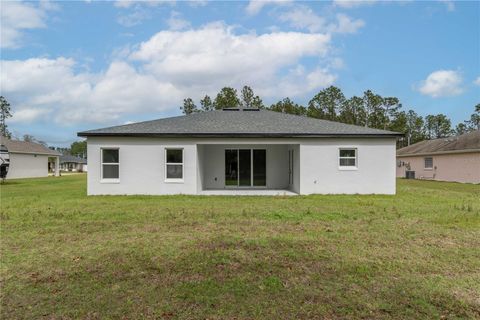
[(240, 151), (29, 159), (446, 159), (72, 163)]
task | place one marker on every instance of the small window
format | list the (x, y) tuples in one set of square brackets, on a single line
[(174, 165), (429, 163), (110, 164), (348, 158)]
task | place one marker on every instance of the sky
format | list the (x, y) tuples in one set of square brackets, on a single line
[(73, 66)]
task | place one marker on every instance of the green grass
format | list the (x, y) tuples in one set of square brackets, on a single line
[(66, 255)]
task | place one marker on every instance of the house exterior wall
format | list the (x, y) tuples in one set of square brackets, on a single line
[(24, 165), (458, 167), (142, 166), (316, 170), (320, 171)]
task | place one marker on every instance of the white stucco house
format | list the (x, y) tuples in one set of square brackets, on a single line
[(73, 163), (240, 151), (29, 159)]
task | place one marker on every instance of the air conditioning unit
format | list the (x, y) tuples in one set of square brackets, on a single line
[(410, 174)]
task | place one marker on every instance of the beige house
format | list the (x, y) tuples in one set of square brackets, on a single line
[(446, 159), (29, 159)]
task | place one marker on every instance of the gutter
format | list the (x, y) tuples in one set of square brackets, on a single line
[(240, 135), (39, 153)]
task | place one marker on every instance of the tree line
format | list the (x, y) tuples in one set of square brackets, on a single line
[(226, 98), (370, 110), (77, 149)]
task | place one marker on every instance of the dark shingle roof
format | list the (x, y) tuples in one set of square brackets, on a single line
[(465, 142), (69, 158), (17, 146), (258, 123)]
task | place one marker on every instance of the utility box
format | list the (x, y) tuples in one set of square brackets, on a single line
[(410, 174)]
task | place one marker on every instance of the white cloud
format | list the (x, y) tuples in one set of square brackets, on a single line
[(124, 3), (162, 71), (136, 11), (37, 76), (19, 16), (336, 63), (348, 4), (303, 17), (129, 3), (175, 22), (29, 115), (346, 25), (255, 6), (442, 83), (124, 89), (133, 18), (34, 84), (197, 3), (477, 81), (214, 54), (298, 81), (352, 4)]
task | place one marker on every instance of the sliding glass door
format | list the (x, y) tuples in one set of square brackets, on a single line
[(231, 167), (245, 168), (259, 168)]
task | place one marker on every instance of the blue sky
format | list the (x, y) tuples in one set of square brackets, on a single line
[(72, 66)]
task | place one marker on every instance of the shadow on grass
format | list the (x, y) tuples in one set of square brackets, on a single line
[(9, 182)]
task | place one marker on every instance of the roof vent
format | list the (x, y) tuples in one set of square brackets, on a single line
[(240, 109)]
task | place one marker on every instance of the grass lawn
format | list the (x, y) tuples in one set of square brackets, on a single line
[(66, 255)]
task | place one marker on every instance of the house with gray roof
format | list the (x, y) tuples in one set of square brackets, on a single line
[(240, 152), (73, 163), (446, 159), (29, 159)]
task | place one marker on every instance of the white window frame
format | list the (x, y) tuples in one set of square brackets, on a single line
[(109, 180), (348, 168), (175, 180), (425, 162)]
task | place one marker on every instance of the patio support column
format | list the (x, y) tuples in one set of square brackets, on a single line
[(57, 166)]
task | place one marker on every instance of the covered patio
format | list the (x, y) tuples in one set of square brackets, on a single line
[(248, 169)]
